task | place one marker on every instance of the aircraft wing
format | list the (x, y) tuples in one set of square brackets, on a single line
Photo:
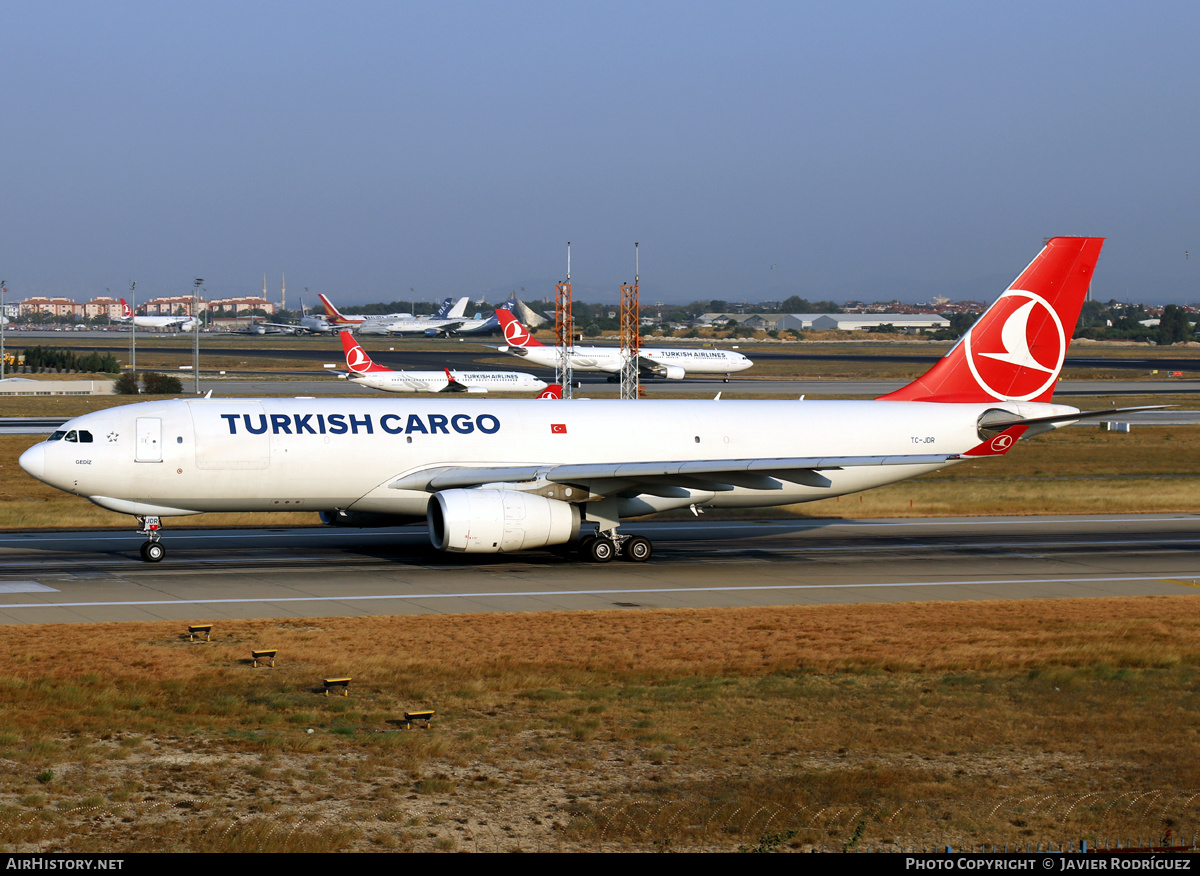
[(602, 478), (649, 366)]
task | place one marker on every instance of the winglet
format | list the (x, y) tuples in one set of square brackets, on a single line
[(514, 333), (998, 445)]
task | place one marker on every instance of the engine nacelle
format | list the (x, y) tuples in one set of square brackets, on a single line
[(498, 521), (673, 372), (364, 519)]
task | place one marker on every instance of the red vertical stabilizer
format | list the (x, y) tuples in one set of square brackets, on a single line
[(514, 333), (1015, 351), (357, 359)]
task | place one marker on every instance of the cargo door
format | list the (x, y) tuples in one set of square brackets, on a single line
[(230, 435)]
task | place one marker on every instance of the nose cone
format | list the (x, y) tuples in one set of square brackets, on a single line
[(33, 461)]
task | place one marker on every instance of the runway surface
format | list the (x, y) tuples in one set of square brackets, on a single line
[(212, 575)]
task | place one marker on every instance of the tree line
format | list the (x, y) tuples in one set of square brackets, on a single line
[(37, 358)]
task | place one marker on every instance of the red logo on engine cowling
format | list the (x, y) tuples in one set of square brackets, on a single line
[(1017, 348)]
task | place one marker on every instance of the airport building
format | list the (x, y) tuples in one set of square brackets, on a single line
[(25, 386), (851, 322), (846, 322)]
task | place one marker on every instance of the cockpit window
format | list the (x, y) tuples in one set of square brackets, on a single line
[(57, 436), (72, 436), (85, 437)]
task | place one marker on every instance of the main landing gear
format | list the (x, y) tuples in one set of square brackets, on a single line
[(152, 550), (603, 546)]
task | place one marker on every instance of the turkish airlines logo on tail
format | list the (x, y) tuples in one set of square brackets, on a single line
[(514, 332), (125, 311), (357, 359), (1017, 349)]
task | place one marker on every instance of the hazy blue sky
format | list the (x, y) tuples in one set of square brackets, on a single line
[(755, 150)]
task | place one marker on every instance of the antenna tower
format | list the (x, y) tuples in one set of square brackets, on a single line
[(564, 331), (631, 342)]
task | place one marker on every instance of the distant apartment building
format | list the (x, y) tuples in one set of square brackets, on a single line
[(170, 305), (35, 307), (238, 305), (102, 307)]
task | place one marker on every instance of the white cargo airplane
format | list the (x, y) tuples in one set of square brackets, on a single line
[(183, 323), (498, 476), (670, 364), (449, 313), (309, 323), (367, 373)]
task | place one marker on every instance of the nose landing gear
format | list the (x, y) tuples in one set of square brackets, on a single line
[(152, 550)]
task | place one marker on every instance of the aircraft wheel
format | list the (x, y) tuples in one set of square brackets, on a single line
[(637, 549), (153, 552), (601, 550)]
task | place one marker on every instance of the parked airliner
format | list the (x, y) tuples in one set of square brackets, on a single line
[(365, 372), (668, 363), (448, 313), (183, 323), (309, 323), (493, 476)]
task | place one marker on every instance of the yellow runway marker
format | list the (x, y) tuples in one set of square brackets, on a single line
[(1184, 583)]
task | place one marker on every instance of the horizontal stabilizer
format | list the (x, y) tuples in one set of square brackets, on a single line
[(1069, 418)]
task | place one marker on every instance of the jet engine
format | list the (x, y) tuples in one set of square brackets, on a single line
[(498, 521), (673, 372)]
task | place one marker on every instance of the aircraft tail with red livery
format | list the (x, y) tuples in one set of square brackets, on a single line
[(357, 359), (1015, 351), (515, 334)]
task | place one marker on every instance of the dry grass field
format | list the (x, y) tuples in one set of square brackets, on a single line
[(885, 727)]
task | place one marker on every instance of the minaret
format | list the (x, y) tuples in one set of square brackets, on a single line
[(282, 292)]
